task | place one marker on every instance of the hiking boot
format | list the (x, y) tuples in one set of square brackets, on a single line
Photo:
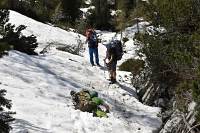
[(113, 81), (93, 64), (98, 65), (109, 79)]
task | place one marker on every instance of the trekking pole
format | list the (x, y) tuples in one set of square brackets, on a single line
[(104, 70)]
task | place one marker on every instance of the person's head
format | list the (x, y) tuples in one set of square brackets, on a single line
[(89, 27), (90, 30), (110, 47)]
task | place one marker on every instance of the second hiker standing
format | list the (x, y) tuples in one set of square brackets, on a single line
[(113, 54), (92, 40)]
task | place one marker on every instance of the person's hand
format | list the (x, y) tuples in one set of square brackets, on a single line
[(107, 61)]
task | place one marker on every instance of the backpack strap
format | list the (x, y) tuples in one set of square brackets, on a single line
[(92, 38)]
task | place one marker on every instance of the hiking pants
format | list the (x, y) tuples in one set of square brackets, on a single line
[(94, 51)]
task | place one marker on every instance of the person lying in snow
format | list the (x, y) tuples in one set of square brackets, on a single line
[(88, 101)]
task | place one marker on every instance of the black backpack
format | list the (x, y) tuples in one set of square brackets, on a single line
[(116, 46)]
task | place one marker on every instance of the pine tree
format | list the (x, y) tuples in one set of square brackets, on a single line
[(123, 16), (102, 17), (11, 36), (3, 19), (126, 6), (71, 10), (173, 56), (5, 117)]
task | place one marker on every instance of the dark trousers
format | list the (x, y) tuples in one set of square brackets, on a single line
[(94, 51)]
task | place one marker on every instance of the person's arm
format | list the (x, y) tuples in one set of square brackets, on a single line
[(110, 60), (87, 36), (96, 38), (107, 59)]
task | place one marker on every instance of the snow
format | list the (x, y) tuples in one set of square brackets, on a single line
[(88, 2), (46, 34), (85, 11), (130, 31), (39, 87)]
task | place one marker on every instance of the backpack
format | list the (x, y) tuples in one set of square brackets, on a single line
[(82, 101), (116, 46), (88, 101)]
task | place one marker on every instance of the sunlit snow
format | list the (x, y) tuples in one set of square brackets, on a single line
[(39, 87)]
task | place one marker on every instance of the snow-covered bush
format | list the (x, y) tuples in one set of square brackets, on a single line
[(75, 49), (71, 49)]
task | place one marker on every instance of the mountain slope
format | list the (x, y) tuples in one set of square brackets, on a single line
[(46, 34), (40, 86)]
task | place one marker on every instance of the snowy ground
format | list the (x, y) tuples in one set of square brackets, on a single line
[(39, 88)]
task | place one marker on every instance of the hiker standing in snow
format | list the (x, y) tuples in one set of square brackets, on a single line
[(92, 40), (113, 54)]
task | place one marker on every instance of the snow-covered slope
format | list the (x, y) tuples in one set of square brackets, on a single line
[(39, 87), (45, 34)]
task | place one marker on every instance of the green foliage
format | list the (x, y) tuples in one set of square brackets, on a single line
[(126, 6), (183, 95), (174, 15), (5, 117), (41, 10), (91, 18), (120, 20), (81, 26), (11, 37), (4, 47), (71, 9), (173, 56), (3, 19), (196, 96), (18, 41), (101, 14), (186, 92), (170, 55), (132, 65), (124, 16)]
